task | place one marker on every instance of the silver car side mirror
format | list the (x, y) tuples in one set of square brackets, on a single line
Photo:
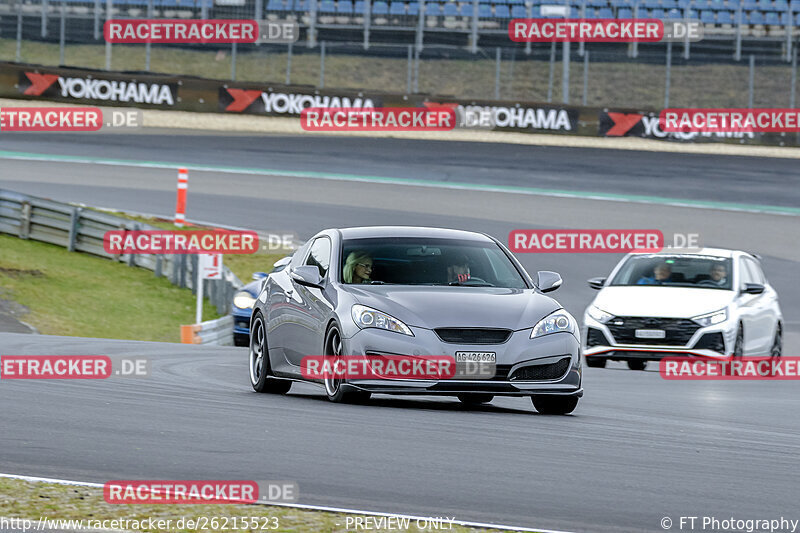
[(306, 275), (548, 281)]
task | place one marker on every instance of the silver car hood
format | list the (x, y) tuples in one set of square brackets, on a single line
[(436, 307)]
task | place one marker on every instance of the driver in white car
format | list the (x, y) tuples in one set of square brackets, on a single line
[(719, 276)]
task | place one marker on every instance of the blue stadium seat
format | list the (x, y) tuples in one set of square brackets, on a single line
[(669, 4), (344, 7), (683, 4), (413, 8), (785, 18), (397, 8), (773, 19), (718, 5), (485, 11), (597, 3), (795, 5), (781, 5), (797, 20), (749, 5), (466, 10), (518, 12), (700, 5), (327, 6), (765, 5), (516, 1), (724, 17), (657, 14), (380, 8), (673, 14), (359, 7), (301, 6), (605, 13), (502, 12), (450, 9), (536, 12), (625, 13), (433, 10), (733, 5), (707, 17), (756, 17), (275, 5)]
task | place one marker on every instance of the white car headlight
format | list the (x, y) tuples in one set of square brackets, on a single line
[(367, 317), (243, 300), (709, 319), (598, 314), (555, 322)]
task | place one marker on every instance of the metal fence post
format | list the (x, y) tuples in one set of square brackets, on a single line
[(529, 14), (367, 22), (109, 12), (148, 44), (157, 270), (668, 75), (511, 72), (552, 67), (322, 64), (73, 228), (565, 73), (204, 9), (97, 9), (474, 36), (18, 53), (233, 60), (289, 65), (45, 7), (420, 26), (312, 25), (416, 69), (410, 67), (585, 77), (581, 45), (789, 31), (259, 10), (737, 55), (634, 50), (794, 79), (497, 74), (751, 83), (62, 30), (686, 44)]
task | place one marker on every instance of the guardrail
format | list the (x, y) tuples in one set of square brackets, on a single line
[(80, 229), (219, 331)]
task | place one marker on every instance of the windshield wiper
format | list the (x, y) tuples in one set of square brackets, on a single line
[(468, 284)]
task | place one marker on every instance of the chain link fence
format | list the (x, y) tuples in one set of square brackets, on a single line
[(465, 57)]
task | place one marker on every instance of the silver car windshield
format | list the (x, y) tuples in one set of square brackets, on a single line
[(425, 261), (702, 272)]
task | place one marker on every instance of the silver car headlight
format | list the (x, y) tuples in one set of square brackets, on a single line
[(598, 314), (367, 317), (243, 300), (709, 319), (555, 322)]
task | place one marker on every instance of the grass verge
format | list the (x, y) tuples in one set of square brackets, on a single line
[(77, 294), (33, 500)]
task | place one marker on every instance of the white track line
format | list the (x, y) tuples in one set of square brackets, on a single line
[(306, 507)]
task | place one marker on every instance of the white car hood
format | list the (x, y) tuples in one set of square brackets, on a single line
[(661, 301)]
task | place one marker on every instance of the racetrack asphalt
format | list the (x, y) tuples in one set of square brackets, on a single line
[(638, 448)]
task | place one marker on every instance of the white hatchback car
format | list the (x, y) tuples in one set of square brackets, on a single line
[(710, 303)]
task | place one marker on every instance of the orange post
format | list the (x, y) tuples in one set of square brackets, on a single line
[(180, 206)]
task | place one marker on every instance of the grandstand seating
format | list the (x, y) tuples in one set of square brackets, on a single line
[(776, 14)]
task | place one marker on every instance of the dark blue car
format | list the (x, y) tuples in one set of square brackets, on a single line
[(242, 305)]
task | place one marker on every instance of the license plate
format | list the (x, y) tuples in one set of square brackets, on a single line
[(650, 333), (476, 357)]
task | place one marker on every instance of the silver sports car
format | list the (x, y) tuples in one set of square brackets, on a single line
[(385, 293)]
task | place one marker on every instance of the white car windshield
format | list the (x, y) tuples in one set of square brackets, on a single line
[(700, 271)]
